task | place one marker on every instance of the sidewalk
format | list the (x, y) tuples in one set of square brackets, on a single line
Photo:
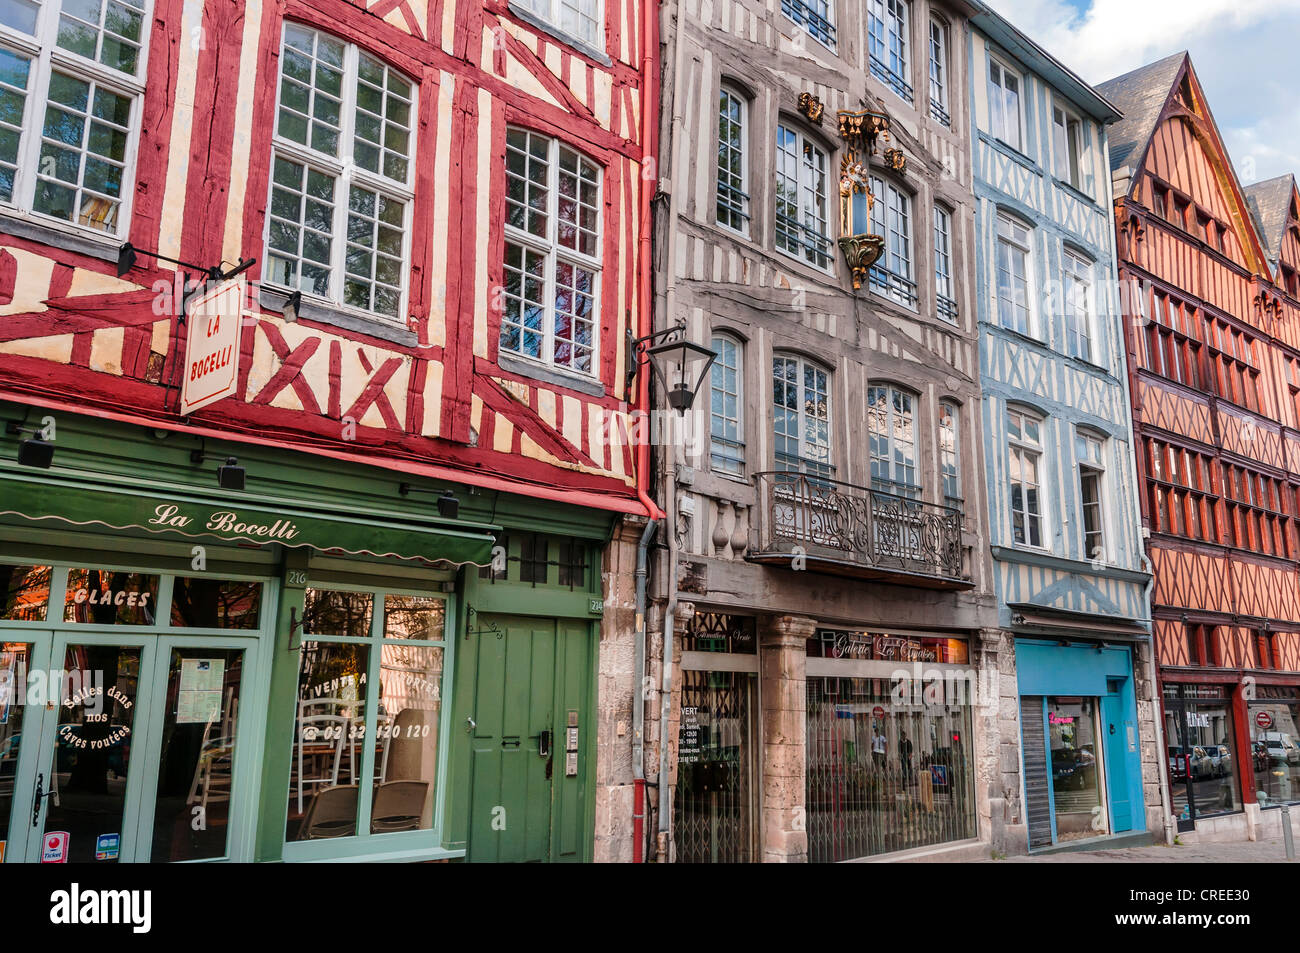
[(1244, 852)]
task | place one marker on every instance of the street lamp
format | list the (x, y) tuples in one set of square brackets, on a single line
[(680, 365)]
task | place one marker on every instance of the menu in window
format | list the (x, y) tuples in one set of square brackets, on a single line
[(199, 699)]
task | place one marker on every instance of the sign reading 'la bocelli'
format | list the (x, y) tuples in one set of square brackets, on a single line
[(224, 522), (212, 346)]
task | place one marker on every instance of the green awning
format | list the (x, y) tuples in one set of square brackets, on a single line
[(167, 513)]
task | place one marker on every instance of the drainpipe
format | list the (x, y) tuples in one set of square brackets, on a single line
[(650, 149), (638, 708), (670, 473)]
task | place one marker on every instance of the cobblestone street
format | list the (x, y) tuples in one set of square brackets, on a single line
[(1245, 852)]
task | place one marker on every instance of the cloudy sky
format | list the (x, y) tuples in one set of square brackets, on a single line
[(1245, 53)]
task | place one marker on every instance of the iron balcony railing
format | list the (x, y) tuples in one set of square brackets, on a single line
[(814, 22), (947, 308), (856, 527), (897, 83), (895, 286), (939, 113), (798, 239)]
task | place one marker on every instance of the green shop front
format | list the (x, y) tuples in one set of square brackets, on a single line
[(317, 666)]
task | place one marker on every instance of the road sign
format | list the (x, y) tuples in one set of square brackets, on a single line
[(211, 370), (1264, 720)]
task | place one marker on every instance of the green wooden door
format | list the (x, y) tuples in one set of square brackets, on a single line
[(529, 674)]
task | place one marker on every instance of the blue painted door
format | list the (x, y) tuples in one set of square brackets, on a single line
[(1116, 727)]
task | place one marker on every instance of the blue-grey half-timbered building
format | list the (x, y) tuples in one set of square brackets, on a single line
[(1080, 749)]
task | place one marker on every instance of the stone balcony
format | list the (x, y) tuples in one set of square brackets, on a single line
[(822, 525)]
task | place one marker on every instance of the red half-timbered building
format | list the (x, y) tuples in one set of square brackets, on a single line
[(1204, 267), (446, 203)]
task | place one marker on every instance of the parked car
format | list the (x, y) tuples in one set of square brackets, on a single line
[(1220, 760), (1280, 748)]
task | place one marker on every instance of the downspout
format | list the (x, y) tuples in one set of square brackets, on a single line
[(649, 149), (638, 709), (670, 488)]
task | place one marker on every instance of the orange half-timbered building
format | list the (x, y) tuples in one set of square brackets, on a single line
[(1213, 368), (429, 430)]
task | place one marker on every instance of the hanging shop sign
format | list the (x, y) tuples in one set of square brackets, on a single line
[(212, 346)]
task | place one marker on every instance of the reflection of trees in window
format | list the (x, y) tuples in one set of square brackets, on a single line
[(333, 612), (216, 603), (27, 593), (103, 587)]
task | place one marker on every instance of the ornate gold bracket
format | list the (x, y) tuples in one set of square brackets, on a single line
[(860, 132), (811, 107)]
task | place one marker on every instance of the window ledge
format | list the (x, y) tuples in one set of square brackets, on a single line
[(1078, 193), (552, 375), (532, 19), (273, 300), (104, 248), (1010, 152)]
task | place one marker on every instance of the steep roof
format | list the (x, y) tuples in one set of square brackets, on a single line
[(1139, 95), (1270, 202)]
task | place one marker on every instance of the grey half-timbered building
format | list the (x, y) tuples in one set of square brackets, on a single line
[(828, 526)]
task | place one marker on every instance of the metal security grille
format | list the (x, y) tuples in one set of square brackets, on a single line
[(883, 775), (713, 816)]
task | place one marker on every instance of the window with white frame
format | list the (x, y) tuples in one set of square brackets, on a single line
[(1025, 453), (891, 217), (801, 198), (552, 253), (583, 20), (944, 292), (1013, 275), (939, 72), (801, 416), (338, 225), (816, 16), (1090, 456), (891, 424), (950, 450), (1077, 298), (71, 91), (887, 44), (733, 171), (1004, 104), (726, 433), (1067, 146)]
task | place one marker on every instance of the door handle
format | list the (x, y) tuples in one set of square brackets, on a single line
[(544, 744), (510, 742), (39, 796), (470, 724)]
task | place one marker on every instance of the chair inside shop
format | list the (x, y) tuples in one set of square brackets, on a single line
[(399, 805), (331, 813)]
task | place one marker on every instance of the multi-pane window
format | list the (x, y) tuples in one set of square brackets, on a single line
[(801, 416), (1169, 342), (1004, 104), (1089, 452), (552, 253), (1202, 644), (891, 423), (815, 16), (70, 98), (939, 72), (581, 19), (1184, 499), (726, 436), (944, 292), (949, 451), (732, 172), (1077, 299), (1067, 146), (1013, 275), (1255, 510), (1234, 370), (801, 198), (341, 173), (891, 217), (733, 199), (887, 44), (1024, 460)]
